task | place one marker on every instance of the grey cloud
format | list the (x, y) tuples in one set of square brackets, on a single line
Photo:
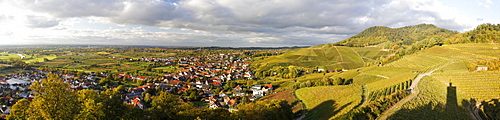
[(75, 8), (40, 22), (254, 22), (148, 12)]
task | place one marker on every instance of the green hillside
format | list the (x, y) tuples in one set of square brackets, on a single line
[(386, 65), (400, 36), (327, 57)]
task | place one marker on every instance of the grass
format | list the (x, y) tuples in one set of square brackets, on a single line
[(328, 102), (38, 58), (6, 56)]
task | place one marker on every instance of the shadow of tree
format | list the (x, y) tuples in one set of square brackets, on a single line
[(325, 110), (491, 109)]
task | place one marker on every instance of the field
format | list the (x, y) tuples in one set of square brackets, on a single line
[(6, 56), (328, 102)]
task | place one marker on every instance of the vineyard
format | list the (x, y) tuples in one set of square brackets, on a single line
[(435, 101), (297, 106), (326, 102), (418, 61), (480, 85), (384, 83), (370, 54), (376, 94), (324, 57)]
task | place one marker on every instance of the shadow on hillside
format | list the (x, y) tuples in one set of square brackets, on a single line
[(436, 110), (491, 109), (325, 110)]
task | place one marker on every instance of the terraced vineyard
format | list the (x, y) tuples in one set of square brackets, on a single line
[(328, 102), (418, 61), (436, 101), (480, 85), (326, 57)]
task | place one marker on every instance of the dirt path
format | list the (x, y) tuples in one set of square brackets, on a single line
[(341, 59), (413, 94), (359, 56), (374, 74)]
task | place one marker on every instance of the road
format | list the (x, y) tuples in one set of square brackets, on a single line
[(414, 93)]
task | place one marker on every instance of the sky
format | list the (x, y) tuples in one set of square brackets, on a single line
[(225, 23)]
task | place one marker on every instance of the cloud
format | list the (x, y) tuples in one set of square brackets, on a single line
[(233, 22), (40, 22), (484, 3), (74, 8)]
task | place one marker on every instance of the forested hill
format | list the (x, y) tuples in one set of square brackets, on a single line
[(401, 36), (484, 33)]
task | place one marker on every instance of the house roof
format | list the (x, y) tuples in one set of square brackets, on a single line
[(268, 85)]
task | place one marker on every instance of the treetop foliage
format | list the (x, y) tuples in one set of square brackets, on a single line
[(401, 36)]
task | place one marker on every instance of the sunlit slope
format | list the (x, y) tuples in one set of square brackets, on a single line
[(476, 84), (326, 57), (327, 102)]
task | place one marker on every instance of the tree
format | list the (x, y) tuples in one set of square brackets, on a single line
[(249, 83), (92, 107), (19, 110), (113, 105), (120, 88), (91, 110), (54, 99), (164, 106)]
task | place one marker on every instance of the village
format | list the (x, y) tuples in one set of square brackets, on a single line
[(208, 80)]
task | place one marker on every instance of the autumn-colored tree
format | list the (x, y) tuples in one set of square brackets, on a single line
[(54, 99), (163, 106), (19, 110)]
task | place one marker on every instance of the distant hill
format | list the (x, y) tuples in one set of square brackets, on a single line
[(484, 33), (367, 47), (401, 36)]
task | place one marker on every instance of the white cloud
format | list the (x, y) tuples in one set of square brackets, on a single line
[(40, 22), (484, 3), (216, 22)]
